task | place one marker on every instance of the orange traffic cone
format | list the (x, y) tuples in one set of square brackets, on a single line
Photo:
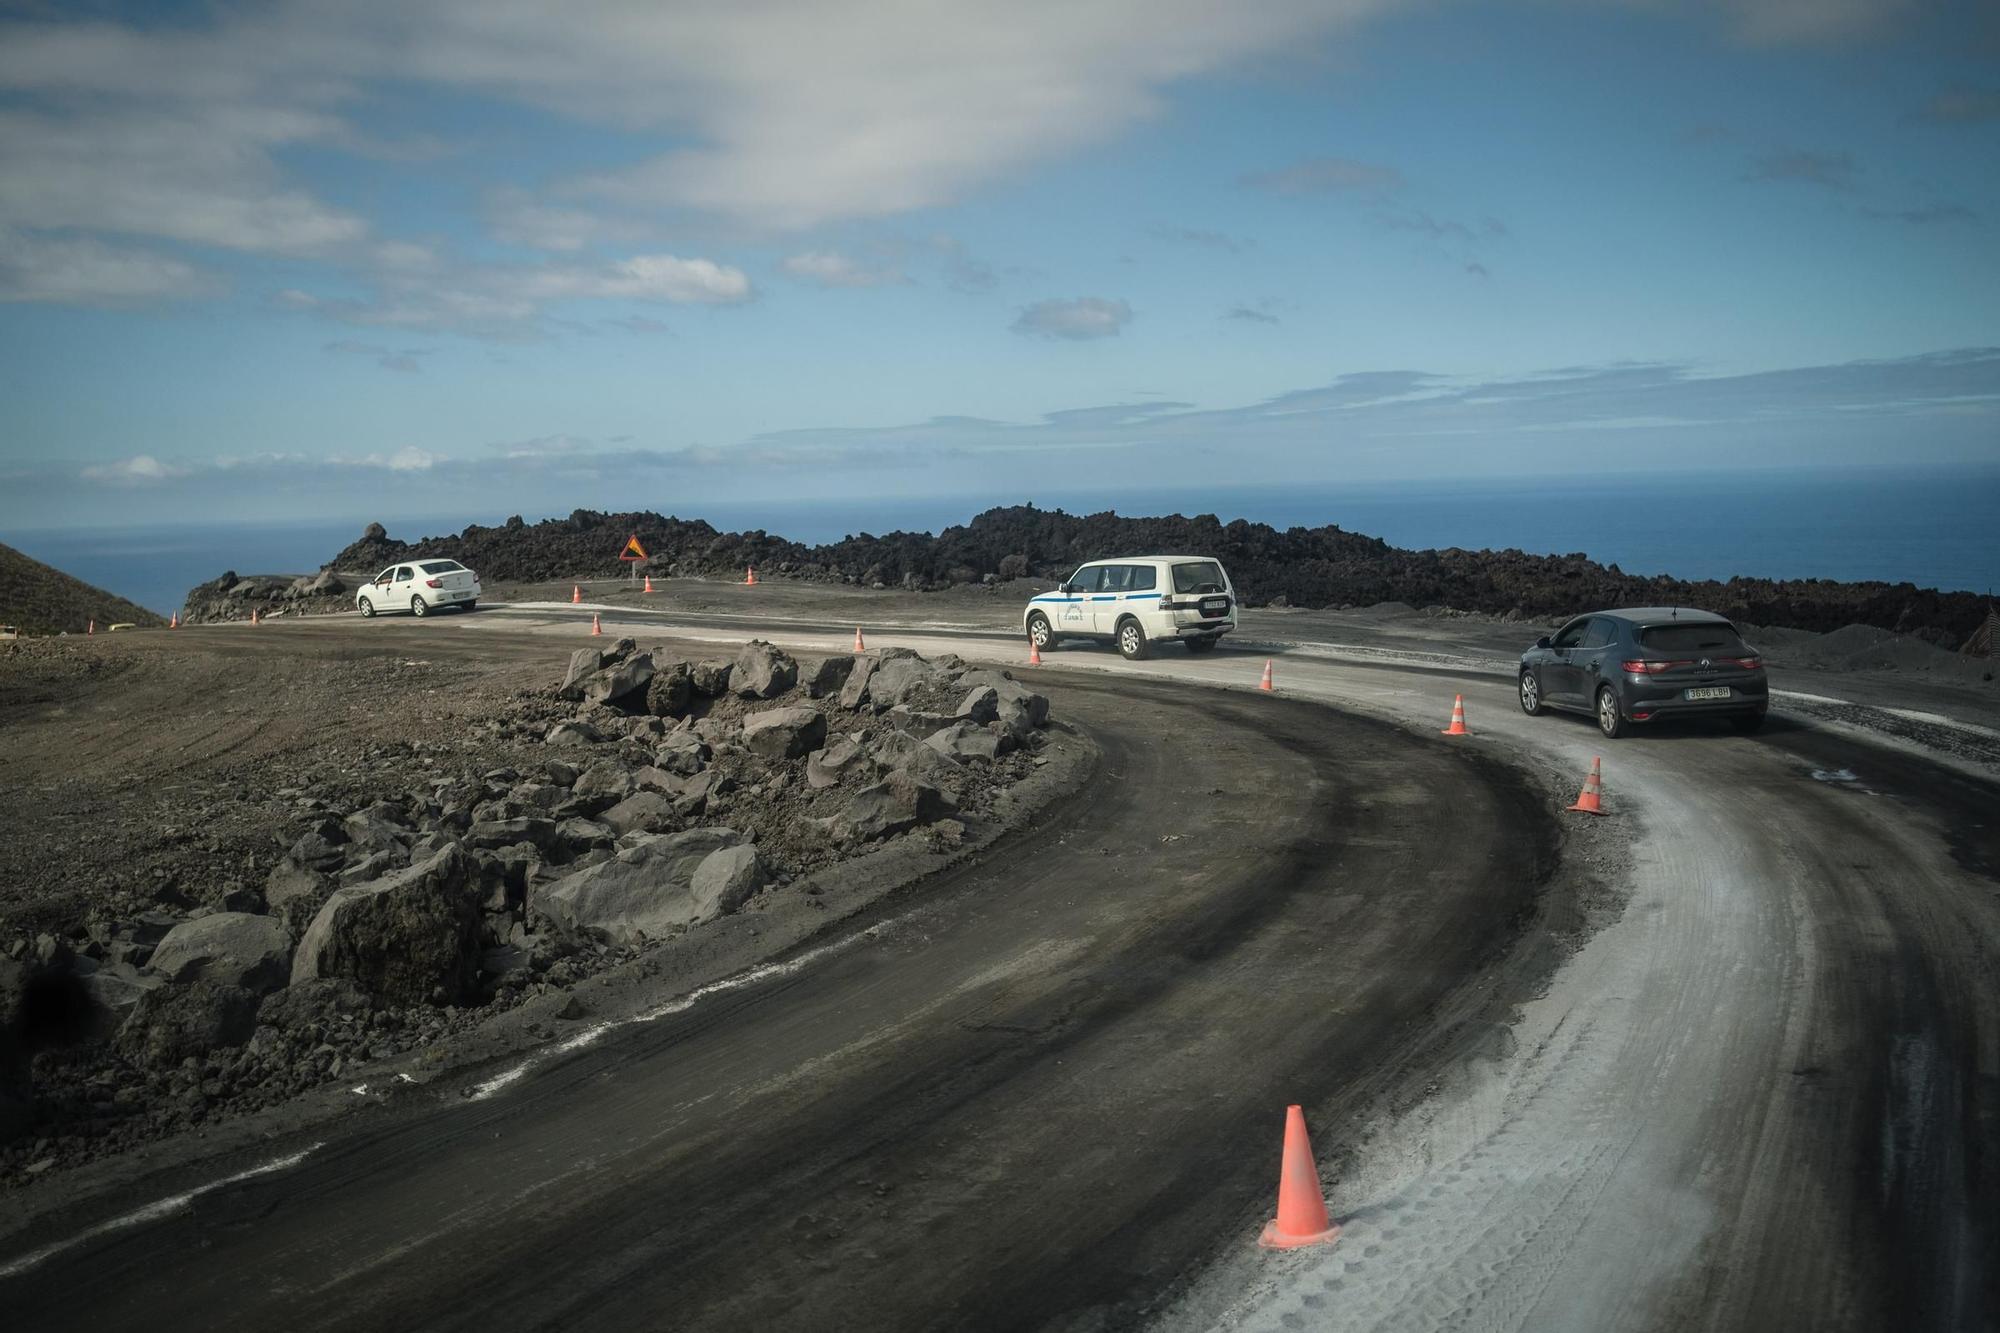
[(858, 645), (1301, 1218), (595, 628), (1034, 653), (1265, 683), (91, 628), (174, 621), (1590, 801), (1457, 727), (649, 583), (575, 594), (750, 578)]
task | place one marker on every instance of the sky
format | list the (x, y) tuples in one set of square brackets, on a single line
[(287, 261)]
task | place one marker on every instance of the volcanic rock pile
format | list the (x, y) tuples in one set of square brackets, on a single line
[(672, 793)]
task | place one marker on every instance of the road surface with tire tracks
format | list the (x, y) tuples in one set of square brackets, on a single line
[(1048, 1093)]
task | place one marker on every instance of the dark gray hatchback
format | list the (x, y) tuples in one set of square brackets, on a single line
[(1644, 664)]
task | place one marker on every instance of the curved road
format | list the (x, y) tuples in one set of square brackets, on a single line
[(1762, 1096)]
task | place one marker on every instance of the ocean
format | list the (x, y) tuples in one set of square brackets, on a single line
[(1932, 527)]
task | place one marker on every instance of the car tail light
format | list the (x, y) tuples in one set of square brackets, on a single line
[(433, 583), (1750, 663), (1638, 667)]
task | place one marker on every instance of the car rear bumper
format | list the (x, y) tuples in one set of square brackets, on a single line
[(1642, 705)]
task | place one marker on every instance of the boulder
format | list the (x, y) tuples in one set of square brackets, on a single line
[(172, 1023), (710, 679), (406, 938), (289, 880), (824, 676), (114, 992), (855, 692), (489, 833), (305, 1003), (229, 948), (373, 866), (644, 892), (323, 846), (900, 751), (583, 663), (981, 704), (965, 740), (825, 768), (604, 784), (643, 812), (784, 733), (899, 801), (725, 880), (898, 678), (916, 721), (762, 672), (583, 834), (572, 733), (682, 752), (671, 692), (621, 685)]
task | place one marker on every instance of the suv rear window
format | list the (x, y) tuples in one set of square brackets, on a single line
[(1712, 640), (442, 567), (1198, 576)]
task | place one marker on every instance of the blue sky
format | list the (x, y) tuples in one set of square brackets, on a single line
[(327, 260)]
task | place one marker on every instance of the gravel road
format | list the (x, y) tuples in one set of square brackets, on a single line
[(1724, 1059)]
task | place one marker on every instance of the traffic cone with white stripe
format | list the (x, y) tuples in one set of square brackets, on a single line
[(1457, 727), (595, 628), (649, 583), (750, 578), (253, 616), (1590, 802), (174, 621), (91, 628), (1034, 652), (1301, 1218), (1265, 683), (859, 647), (576, 594)]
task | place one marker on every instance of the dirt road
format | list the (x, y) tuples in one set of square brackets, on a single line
[(1761, 1093)]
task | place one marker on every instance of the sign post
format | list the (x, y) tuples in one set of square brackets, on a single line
[(633, 554)]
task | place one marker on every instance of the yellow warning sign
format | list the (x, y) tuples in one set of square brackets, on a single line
[(633, 551)]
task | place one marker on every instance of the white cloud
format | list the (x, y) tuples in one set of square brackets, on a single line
[(829, 269), (407, 459), (139, 470), (81, 271), (1084, 318), (1322, 175)]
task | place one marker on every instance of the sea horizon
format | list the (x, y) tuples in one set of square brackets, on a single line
[(1931, 526)]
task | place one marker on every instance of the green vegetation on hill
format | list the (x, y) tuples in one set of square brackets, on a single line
[(39, 599)]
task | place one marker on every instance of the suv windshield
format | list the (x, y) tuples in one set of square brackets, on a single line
[(1710, 640), (441, 567), (1198, 576)]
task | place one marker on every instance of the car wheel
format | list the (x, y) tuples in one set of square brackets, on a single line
[(1204, 643), (367, 608), (1531, 694), (1610, 719), (472, 605), (419, 608), (1132, 644), (1043, 633), (1747, 722)]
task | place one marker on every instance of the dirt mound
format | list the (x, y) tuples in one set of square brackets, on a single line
[(1325, 567), (39, 599)]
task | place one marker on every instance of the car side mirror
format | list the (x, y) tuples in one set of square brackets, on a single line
[(1542, 642)]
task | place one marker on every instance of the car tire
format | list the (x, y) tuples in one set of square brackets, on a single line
[(1531, 694), (1132, 645), (367, 608), (1204, 643), (1041, 632), (472, 605), (1746, 723), (1610, 717), (419, 607)]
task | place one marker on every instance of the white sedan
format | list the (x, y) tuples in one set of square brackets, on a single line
[(419, 587)]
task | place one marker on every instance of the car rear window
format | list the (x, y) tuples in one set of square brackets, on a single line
[(1198, 576), (442, 567), (1707, 640)]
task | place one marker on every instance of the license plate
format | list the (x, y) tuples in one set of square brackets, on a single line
[(1707, 692), (1215, 606)]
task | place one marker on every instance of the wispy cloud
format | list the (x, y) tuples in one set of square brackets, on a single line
[(1324, 175), (1203, 238), (1962, 106), (406, 361), (1078, 320), (827, 268), (1250, 315), (73, 270), (1832, 171), (138, 470), (1926, 214)]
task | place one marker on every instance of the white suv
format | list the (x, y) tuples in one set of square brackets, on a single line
[(1136, 600)]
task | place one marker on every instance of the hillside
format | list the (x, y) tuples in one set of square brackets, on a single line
[(40, 599), (1313, 567)]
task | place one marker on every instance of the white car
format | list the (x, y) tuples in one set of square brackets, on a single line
[(1137, 601), (419, 587)]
